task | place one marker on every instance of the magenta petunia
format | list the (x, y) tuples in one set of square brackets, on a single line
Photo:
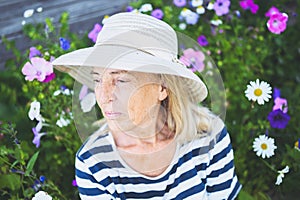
[(49, 78), (193, 59), (157, 13), (74, 183), (179, 3), (94, 33), (202, 40), (221, 7), (37, 68), (249, 4), (272, 11), (277, 23), (278, 119)]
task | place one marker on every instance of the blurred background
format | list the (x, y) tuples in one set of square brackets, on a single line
[(248, 40)]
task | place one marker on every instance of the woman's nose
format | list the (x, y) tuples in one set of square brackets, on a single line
[(107, 92)]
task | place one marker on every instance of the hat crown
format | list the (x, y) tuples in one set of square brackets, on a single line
[(139, 31)]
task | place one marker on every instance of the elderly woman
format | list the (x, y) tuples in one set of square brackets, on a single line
[(155, 141)]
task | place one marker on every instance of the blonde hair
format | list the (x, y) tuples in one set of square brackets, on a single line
[(186, 118)]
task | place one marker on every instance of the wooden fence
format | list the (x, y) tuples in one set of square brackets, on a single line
[(83, 15)]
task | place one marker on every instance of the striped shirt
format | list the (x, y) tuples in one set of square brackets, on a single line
[(200, 169)]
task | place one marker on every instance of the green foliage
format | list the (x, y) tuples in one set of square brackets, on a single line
[(243, 49)]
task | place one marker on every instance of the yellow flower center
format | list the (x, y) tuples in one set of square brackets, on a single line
[(264, 146), (258, 92)]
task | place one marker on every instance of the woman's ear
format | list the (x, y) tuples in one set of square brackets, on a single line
[(162, 93)]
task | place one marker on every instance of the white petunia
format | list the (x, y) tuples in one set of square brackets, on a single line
[(216, 22), (264, 146), (62, 122), (258, 91), (41, 195), (182, 26), (281, 175), (210, 6), (88, 102), (196, 3), (200, 10), (28, 13), (146, 7), (39, 9), (34, 111), (185, 12)]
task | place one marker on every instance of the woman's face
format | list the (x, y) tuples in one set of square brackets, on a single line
[(128, 99)]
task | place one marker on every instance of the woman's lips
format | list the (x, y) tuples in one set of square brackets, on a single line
[(111, 114)]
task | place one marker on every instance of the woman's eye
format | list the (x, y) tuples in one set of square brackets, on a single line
[(122, 81), (97, 81)]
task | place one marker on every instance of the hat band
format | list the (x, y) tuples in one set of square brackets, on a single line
[(174, 59)]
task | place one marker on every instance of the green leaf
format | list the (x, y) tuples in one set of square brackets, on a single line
[(31, 163), (245, 196), (11, 181)]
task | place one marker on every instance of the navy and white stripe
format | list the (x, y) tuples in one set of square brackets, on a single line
[(201, 169)]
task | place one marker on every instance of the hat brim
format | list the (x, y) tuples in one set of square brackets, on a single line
[(80, 63)]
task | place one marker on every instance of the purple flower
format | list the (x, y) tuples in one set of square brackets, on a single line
[(157, 13), (276, 93), (33, 52), (249, 4), (129, 8), (277, 23), (193, 59), (278, 119), (74, 183), (281, 104), (221, 7), (179, 3), (37, 136), (202, 40), (272, 11), (94, 33), (37, 68), (64, 43)]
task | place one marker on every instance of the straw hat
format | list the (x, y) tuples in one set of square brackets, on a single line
[(133, 42)]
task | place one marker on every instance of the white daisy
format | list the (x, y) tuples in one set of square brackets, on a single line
[(281, 175), (258, 91), (264, 146)]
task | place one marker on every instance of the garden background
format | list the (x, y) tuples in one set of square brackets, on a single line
[(248, 40)]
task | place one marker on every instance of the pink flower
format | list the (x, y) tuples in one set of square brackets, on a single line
[(272, 11), (83, 92), (249, 4), (221, 7), (193, 59), (94, 33), (277, 22), (37, 68), (281, 104)]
